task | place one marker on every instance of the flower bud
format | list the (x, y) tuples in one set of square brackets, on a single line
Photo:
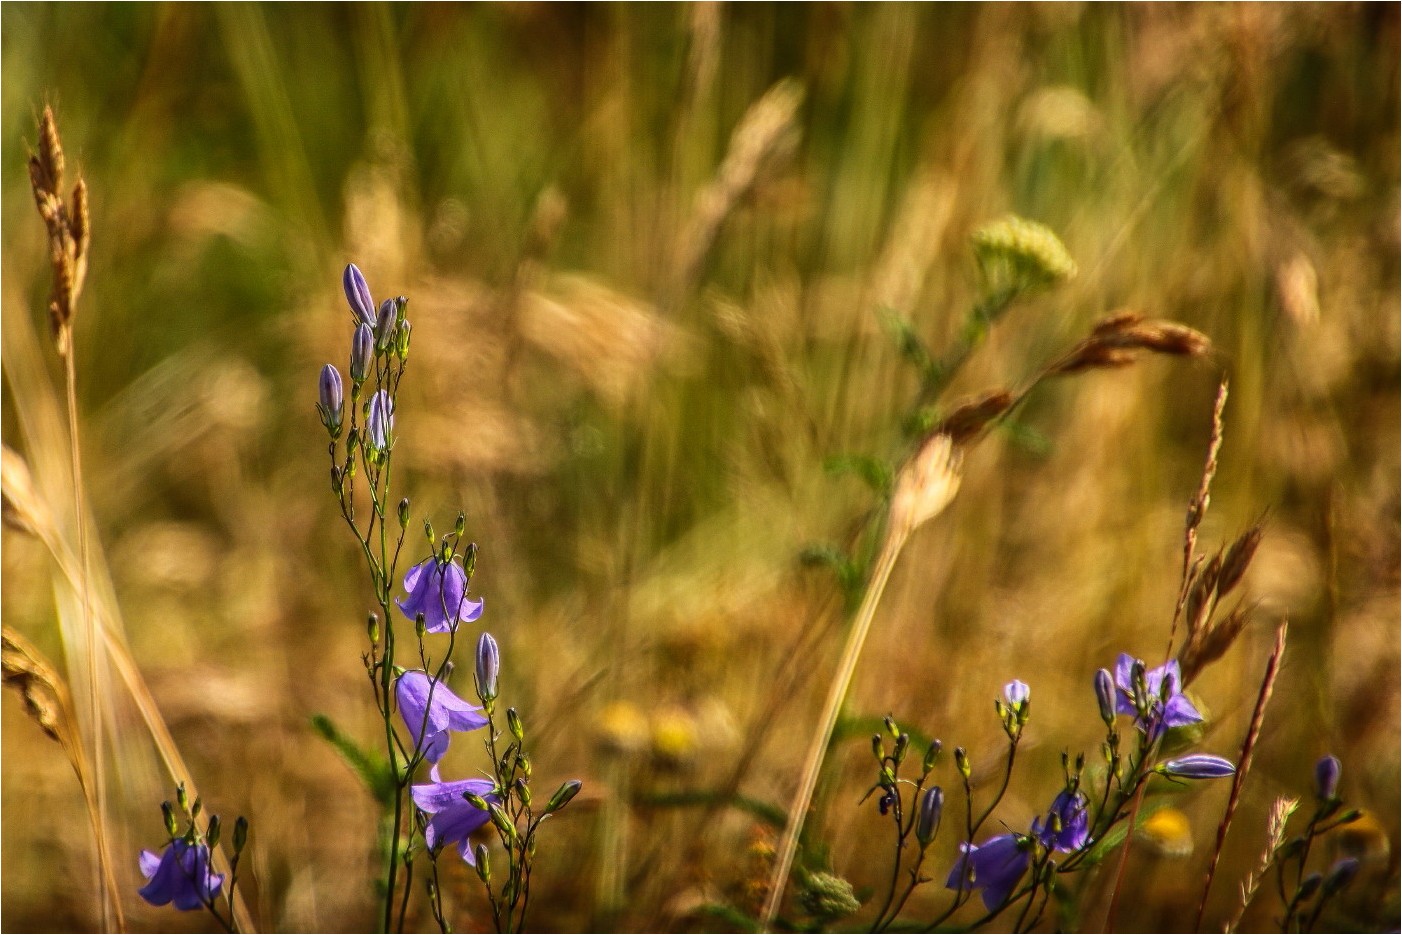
[(196, 808), (902, 747), (1326, 777), (384, 325), (513, 723), (358, 295), (961, 761), (484, 864), (168, 814), (878, 749), (891, 727), (372, 628), (460, 526), (931, 754), (523, 791), (182, 798), (1105, 695), (1340, 875), (488, 667), (335, 479), (240, 834), (567, 791), (1307, 887), (331, 404), (211, 834), (927, 825), (1016, 692), (379, 423), (401, 342), (362, 353), (476, 801), (420, 625), (1197, 766), (404, 513), (501, 820)]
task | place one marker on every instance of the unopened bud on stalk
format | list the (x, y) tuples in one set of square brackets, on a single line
[(476, 801), (460, 526), (927, 825), (384, 325), (1105, 695), (961, 762), (502, 821), (401, 344), (331, 402), (240, 834), (523, 791), (567, 791), (1340, 875), (1308, 886), (211, 834), (902, 747), (428, 533), (931, 754), (878, 749), (404, 513), (372, 628), (484, 864), (168, 814), (420, 625), (358, 295), (488, 667), (182, 798), (362, 353), (1326, 777), (513, 723)]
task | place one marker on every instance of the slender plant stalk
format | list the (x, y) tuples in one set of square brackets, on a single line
[(1243, 765), (112, 918), (895, 540)]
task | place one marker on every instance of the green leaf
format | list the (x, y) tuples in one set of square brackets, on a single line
[(372, 769)]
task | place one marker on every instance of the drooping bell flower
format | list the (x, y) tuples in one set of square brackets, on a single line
[(181, 875), (431, 711), (995, 867), (1167, 705), (438, 590), (452, 818)]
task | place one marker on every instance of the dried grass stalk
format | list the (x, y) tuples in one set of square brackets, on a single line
[(1116, 341), (1248, 746), (1276, 823)]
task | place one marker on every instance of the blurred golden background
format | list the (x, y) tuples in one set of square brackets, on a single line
[(649, 250)]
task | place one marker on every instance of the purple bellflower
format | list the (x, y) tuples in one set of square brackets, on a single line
[(1326, 777), (362, 352), (181, 875), (380, 421), (1174, 711), (452, 818), (1067, 825), (995, 866), (331, 399), (430, 711), (358, 295), (1016, 692), (438, 590)]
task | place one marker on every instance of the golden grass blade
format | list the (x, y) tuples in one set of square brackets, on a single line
[(924, 488)]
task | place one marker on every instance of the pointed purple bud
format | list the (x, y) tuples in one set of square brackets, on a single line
[(1197, 766), (1340, 875), (1105, 695), (488, 667), (385, 323), (362, 353), (927, 825), (358, 295), (332, 400), (379, 422), (1326, 777)]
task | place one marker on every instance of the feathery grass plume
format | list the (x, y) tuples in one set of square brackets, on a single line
[(924, 487), (766, 137), (1248, 746), (1276, 822), (1197, 510)]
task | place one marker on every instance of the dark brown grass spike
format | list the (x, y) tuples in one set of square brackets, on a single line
[(1248, 746)]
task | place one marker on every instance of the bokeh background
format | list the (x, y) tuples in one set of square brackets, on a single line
[(649, 250)]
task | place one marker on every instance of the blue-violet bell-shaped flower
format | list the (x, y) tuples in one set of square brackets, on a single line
[(438, 590), (1197, 766), (384, 324), (1067, 823), (380, 421), (1174, 711), (431, 710), (995, 866), (331, 402), (452, 818), (358, 295), (181, 875)]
